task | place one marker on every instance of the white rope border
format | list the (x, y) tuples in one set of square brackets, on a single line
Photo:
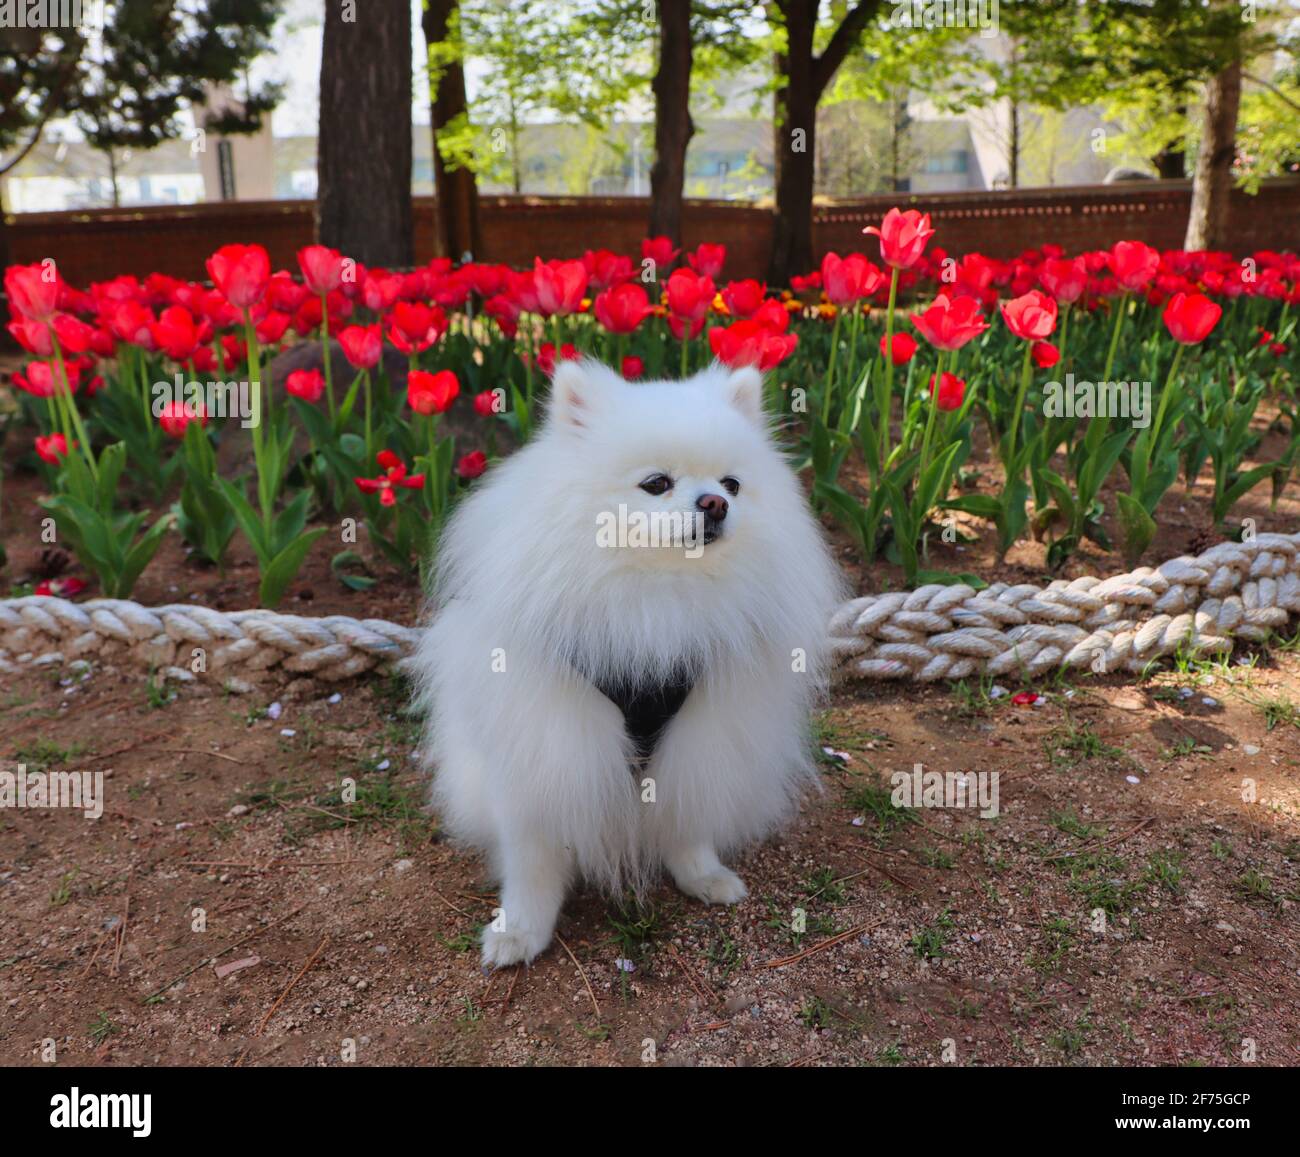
[(1198, 603)]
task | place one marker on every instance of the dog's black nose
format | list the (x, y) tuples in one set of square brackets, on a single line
[(714, 505)]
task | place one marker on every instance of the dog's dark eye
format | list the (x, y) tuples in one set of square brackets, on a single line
[(657, 484), (730, 485)]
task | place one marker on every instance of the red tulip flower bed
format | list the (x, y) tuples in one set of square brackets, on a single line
[(1127, 365)]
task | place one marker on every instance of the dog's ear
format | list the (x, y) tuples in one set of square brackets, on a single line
[(744, 389), (580, 390)]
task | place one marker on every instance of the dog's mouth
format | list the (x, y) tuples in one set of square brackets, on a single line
[(712, 531)]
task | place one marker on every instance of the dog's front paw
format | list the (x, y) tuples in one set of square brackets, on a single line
[(720, 886), (512, 946)]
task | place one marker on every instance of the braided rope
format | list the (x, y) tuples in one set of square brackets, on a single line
[(1197, 603)]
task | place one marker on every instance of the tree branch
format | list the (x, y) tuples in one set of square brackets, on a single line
[(1277, 92), (841, 42)]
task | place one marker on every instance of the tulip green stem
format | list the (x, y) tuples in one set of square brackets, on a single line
[(1026, 372), (325, 351), (1165, 395), (1121, 309), (888, 400), (829, 386), (64, 391)]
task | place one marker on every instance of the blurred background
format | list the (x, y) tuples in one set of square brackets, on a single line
[(792, 107)]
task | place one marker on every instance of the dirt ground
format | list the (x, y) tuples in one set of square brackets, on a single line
[(976, 936), (1134, 902)]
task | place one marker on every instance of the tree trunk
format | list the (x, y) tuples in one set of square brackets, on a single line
[(459, 235), (802, 78), (1013, 149), (795, 145), (112, 178), (363, 147), (673, 125), (1207, 223)]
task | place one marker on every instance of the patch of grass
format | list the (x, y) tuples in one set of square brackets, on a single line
[(42, 753), (1255, 886), (1058, 939), (822, 884), (1069, 745), (936, 858), (1185, 747), (1072, 825), (974, 700), (1279, 712), (101, 1028), (636, 927), (1165, 870), (873, 800), (890, 1055), (1070, 1041), (929, 943), (816, 1014), (63, 892), (157, 694)]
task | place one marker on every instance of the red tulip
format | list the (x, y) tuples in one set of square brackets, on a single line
[(850, 279), (176, 416), (743, 297), (750, 343), (241, 272), (362, 345), (949, 324), (633, 367), (322, 268), (1031, 317), (74, 335), (951, 392), (485, 403), (707, 260), (379, 291), (1064, 280), (40, 379), (271, 328), (308, 385), (51, 449), (472, 465), (904, 346), (385, 485), (431, 393), (690, 295), (131, 322), (605, 268), (414, 326), (659, 251), (622, 308), (1044, 354), (1189, 317), (1134, 264), (175, 333), (34, 336), (903, 237), (559, 286), (33, 289)]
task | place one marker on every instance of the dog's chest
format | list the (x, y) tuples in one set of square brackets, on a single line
[(648, 707)]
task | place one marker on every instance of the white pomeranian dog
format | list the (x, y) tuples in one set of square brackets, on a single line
[(628, 631)]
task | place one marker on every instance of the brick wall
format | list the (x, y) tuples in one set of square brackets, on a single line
[(95, 245)]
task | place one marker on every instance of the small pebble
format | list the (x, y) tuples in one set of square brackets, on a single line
[(273, 712), (1132, 779), (1249, 749)]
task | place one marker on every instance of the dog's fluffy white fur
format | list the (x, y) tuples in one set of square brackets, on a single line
[(532, 763)]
